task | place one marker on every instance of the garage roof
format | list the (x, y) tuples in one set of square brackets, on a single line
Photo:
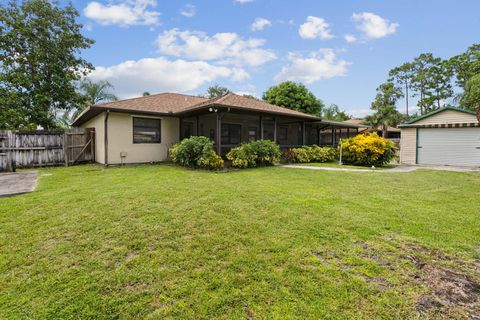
[(412, 122)]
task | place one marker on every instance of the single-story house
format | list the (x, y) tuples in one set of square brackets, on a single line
[(143, 129), (447, 136)]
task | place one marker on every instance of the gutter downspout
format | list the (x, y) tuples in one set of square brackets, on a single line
[(105, 136)]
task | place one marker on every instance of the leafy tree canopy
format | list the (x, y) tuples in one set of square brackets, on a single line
[(294, 96), (386, 114), (216, 91), (471, 97), (333, 112), (40, 44)]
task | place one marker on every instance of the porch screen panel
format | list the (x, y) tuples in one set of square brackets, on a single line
[(231, 133)]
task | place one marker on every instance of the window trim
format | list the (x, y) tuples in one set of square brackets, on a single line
[(147, 118)]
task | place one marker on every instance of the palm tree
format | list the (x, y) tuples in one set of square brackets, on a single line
[(92, 92), (96, 92)]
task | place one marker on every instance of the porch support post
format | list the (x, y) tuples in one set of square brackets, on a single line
[(348, 132), (303, 133), (333, 136), (219, 135), (197, 125), (261, 127), (275, 130), (318, 136)]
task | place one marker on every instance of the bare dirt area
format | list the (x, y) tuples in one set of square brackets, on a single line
[(450, 286)]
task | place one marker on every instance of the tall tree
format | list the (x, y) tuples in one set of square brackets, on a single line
[(386, 114), (216, 91), (333, 112), (403, 77), (471, 97), (420, 67), (466, 65), (439, 85), (294, 96), (40, 44)]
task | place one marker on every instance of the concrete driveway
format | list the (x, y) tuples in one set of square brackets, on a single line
[(400, 168), (17, 183)]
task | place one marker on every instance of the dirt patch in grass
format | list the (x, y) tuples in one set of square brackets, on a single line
[(450, 285), (453, 289)]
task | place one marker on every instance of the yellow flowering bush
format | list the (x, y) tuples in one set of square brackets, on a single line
[(368, 149)]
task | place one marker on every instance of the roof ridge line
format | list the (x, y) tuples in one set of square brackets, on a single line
[(151, 95)]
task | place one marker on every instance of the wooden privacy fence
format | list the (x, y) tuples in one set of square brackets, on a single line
[(26, 149)]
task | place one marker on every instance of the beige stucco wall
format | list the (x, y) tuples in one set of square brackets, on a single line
[(408, 146), (97, 123), (448, 116), (120, 139)]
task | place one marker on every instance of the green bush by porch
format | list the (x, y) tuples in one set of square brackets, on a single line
[(196, 152), (307, 154), (255, 153)]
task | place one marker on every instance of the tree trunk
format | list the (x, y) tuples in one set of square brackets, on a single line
[(406, 94), (385, 131)]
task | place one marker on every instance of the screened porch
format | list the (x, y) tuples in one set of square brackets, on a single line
[(228, 128)]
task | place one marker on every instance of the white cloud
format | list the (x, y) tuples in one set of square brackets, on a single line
[(374, 26), (188, 10), (125, 13), (244, 1), (315, 27), (260, 24), (350, 38), (322, 64), (131, 78), (224, 48)]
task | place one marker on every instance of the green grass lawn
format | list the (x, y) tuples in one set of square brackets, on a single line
[(159, 242)]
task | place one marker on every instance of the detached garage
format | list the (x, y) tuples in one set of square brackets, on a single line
[(447, 136)]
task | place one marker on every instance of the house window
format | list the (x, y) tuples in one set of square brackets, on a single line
[(231, 133), (283, 133), (146, 130)]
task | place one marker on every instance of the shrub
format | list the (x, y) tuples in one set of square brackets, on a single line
[(252, 154), (310, 154), (367, 149), (196, 152)]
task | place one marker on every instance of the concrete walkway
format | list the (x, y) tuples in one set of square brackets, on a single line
[(17, 183), (400, 168)]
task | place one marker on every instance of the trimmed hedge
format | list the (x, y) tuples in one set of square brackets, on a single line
[(368, 149), (196, 152), (253, 154), (307, 154)]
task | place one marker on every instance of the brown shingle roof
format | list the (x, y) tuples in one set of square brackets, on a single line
[(160, 103), (174, 104), (245, 103)]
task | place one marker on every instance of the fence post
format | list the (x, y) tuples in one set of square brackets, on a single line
[(65, 149)]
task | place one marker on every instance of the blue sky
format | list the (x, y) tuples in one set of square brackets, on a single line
[(341, 50)]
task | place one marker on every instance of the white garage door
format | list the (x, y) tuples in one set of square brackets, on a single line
[(449, 146)]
